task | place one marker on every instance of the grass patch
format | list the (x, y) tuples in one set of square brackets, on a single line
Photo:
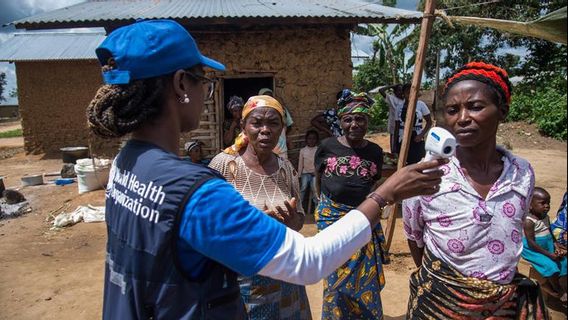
[(11, 133)]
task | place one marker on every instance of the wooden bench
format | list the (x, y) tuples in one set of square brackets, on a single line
[(533, 274)]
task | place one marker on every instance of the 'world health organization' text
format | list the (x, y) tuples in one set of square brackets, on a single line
[(134, 194)]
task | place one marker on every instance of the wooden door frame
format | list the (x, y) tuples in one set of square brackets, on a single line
[(219, 107)]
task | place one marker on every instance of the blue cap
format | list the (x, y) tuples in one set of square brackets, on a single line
[(149, 49)]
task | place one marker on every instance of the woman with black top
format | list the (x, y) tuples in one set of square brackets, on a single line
[(348, 167)]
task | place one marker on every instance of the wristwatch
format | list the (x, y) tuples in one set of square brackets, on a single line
[(378, 199)]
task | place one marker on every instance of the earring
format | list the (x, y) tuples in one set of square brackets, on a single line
[(185, 99)]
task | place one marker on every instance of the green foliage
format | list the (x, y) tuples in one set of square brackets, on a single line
[(545, 62), (11, 133), (540, 99), (388, 64), (379, 115), (369, 75), (13, 93), (544, 105), (389, 3), (2, 85), (464, 43)]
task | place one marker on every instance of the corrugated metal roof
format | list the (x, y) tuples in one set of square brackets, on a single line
[(96, 12), (42, 46)]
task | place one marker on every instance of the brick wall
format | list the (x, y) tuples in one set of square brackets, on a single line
[(309, 65), (9, 111), (53, 97)]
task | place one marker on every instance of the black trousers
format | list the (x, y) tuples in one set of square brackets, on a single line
[(416, 150)]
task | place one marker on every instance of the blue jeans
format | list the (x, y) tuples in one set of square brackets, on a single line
[(305, 180)]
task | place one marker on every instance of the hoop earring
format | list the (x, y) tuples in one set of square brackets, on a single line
[(185, 99)]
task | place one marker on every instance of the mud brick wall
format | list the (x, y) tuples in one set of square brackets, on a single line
[(310, 65), (53, 97), (9, 111)]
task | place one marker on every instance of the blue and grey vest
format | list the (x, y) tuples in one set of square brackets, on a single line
[(148, 188)]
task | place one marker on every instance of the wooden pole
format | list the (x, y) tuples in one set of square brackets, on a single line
[(425, 29), (437, 84)]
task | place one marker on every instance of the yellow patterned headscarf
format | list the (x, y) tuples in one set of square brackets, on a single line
[(253, 102)]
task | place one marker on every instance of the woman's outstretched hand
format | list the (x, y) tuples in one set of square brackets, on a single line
[(412, 181), (289, 216), (405, 183)]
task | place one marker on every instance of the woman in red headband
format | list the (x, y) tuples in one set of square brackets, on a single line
[(467, 238)]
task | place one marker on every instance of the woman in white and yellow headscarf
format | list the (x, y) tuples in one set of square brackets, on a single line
[(270, 183)]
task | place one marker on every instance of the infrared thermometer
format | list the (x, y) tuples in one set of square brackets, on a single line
[(440, 143)]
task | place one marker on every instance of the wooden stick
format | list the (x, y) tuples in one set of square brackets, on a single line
[(425, 29), (437, 83)]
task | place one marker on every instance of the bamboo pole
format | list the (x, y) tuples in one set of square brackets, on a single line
[(425, 29)]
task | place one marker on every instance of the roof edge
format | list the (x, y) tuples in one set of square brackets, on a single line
[(48, 60), (212, 22)]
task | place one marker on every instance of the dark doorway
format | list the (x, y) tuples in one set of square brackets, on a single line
[(244, 87)]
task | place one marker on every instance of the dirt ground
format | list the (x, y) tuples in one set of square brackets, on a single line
[(58, 274), (10, 146)]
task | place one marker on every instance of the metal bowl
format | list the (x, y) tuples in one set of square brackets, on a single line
[(71, 154)]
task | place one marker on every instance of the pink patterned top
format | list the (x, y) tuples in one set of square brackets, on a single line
[(481, 238)]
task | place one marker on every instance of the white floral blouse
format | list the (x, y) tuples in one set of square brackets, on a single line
[(481, 238)]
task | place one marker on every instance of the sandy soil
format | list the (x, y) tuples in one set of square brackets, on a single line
[(10, 125), (11, 142), (10, 146), (58, 274)]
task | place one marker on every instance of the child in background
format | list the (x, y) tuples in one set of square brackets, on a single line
[(539, 245), (306, 165), (195, 153), (558, 227)]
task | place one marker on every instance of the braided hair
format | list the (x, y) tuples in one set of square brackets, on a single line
[(496, 78), (117, 110)]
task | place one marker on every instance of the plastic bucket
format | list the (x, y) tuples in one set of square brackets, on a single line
[(89, 177)]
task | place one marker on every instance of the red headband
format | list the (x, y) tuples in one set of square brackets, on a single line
[(493, 73)]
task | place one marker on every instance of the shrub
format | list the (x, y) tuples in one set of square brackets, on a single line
[(379, 114), (545, 106)]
